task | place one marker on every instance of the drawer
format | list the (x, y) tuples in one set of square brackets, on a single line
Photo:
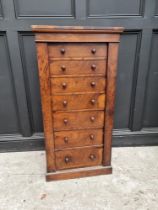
[(82, 50), (77, 138), (78, 120), (74, 158), (77, 67), (80, 84), (78, 101)]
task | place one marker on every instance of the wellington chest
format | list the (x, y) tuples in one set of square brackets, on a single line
[(77, 73)]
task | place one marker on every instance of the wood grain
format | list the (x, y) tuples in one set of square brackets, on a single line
[(79, 173), (77, 138), (78, 84), (78, 120), (69, 37), (44, 77), (109, 111), (77, 50), (77, 67), (77, 158), (78, 101), (76, 29)]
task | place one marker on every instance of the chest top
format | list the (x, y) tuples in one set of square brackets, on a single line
[(77, 72)]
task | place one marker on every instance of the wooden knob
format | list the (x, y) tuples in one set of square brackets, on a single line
[(65, 103), (93, 66), (93, 101), (91, 136), (66, 139), (64, 85), (92, 157), (93, 50), (93, 84), (92, 118), (65, 121), (62, 50), (67, 159), (63, 68)]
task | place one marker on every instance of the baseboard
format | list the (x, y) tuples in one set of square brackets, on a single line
[(16, 143)]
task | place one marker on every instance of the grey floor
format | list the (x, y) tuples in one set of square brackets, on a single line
[(133, 185)]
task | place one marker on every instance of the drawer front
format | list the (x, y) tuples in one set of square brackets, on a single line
[(77, 50), (76, 67), (80, 84), (68, 139), (74, 158), (78, 120), (78, 101)]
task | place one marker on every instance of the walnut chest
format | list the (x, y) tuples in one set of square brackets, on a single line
[(77, 72)]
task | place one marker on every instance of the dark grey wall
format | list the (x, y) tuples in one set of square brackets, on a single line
[(136, 116)]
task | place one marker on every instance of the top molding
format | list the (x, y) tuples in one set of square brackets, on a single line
[(75, 29)]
